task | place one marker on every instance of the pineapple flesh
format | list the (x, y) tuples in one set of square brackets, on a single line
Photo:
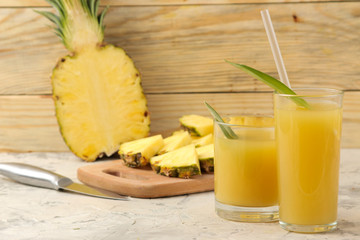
[(137, 153), (182, 163), (99, 100), (175, 141), (202, 141), (177, 132), (206, 157), (197, 125)]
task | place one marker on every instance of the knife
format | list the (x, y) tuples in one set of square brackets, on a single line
[(35, 176)]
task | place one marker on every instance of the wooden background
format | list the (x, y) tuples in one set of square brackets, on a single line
[(179, 47)]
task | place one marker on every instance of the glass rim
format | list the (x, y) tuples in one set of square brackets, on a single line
[(246, 125), (317, 92)]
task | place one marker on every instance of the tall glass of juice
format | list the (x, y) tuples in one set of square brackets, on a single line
[(308, 152), (245, 169)]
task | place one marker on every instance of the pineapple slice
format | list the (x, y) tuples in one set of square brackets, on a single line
[(177, 132), (202, 141), (197, 125), (175, 141), (99, 101), (206, 157), (137, 153), (182, 163)]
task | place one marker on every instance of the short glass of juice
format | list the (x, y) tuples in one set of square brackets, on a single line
[(308, 152), (245, 169)]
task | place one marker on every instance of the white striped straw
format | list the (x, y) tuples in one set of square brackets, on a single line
[(275, 47)]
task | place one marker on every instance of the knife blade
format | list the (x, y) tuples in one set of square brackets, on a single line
[(39, 177)]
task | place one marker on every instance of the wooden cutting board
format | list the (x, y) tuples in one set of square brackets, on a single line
[(142, 183)]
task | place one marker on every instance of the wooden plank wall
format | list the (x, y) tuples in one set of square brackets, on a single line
[(179, 47)]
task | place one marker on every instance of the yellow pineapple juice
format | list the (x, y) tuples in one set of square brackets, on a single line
[(245, 170), (308, 148)]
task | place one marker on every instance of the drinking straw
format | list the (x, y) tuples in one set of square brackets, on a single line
[(275, 47)]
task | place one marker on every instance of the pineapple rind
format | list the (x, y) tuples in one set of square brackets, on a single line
[(137, 153), (134, 160), (180, 172), (192, 130), (207, 165), (187, 172), (197, 125)]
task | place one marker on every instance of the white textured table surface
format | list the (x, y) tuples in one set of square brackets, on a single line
[(35, 213)]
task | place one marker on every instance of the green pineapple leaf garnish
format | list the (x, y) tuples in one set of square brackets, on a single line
[(277, 85), (228, 132)]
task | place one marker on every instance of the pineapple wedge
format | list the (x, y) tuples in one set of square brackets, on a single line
[(178, 132), (182, 163), (137, 153), (175, 141), (99, 101), (197, 125), (206, 157), (202, 141)]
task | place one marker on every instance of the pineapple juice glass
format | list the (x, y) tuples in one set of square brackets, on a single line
[(245, 170), (308, 148)]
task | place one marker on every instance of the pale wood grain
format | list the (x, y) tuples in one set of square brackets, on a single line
[(27, 123), (37, 3), (179, 47), (182, 48)]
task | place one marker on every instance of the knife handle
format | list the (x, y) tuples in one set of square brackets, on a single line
[(35, 176)]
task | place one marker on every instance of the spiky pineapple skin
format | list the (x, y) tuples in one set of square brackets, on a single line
[(138, 124), (207, 165), (134, 160), (180, 172), (193, 131)]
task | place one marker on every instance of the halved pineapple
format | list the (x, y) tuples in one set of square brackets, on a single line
[(137, 153), (175, 141), (182, 163), (97, 91), (197, 125), (206, 157), (202, 141)]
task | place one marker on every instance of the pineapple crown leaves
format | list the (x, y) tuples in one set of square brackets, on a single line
[(77, 22)]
